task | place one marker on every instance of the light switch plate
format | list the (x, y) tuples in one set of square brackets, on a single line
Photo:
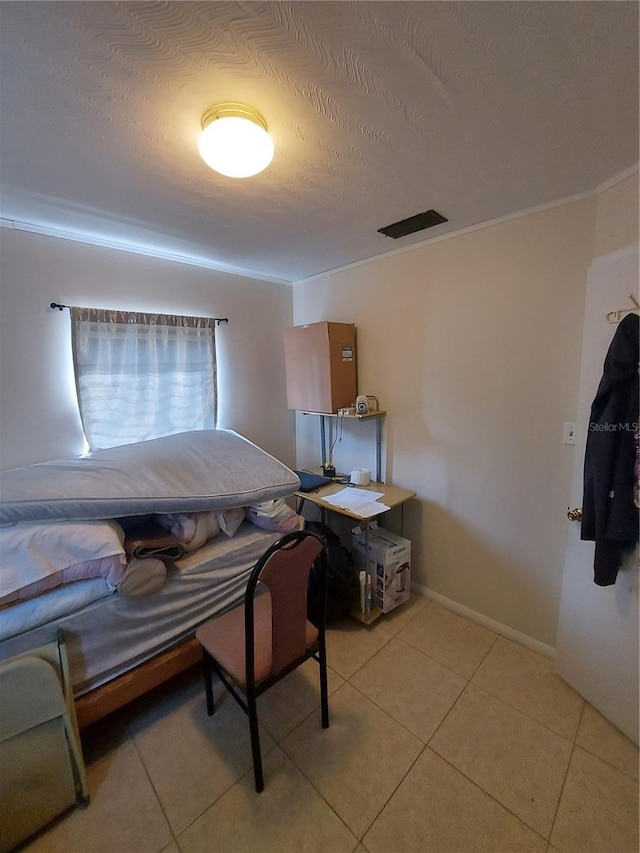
[(569, 433)]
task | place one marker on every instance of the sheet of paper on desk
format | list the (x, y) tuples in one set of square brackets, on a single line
[(359, 501)]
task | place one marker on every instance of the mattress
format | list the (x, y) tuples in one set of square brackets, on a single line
[(186, 472), (22, 616), (113, 633)]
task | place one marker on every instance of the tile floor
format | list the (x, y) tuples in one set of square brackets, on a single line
[(444, 737)]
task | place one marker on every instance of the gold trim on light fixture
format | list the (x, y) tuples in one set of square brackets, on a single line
[(235, 140), (231, 110)]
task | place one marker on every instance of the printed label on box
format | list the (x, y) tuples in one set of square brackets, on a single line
[(347, 353)]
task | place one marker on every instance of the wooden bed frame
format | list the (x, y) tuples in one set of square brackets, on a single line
[(98, 703)]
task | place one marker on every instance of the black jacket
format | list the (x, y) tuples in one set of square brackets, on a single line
[(609, 515)]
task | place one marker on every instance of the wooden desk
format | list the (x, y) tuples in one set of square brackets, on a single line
[(392, 496)]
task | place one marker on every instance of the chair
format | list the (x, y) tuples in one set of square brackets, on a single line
[(259, 642), (43, 770)]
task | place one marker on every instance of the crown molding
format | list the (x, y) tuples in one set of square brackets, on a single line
[(133, 248), (489, 223)]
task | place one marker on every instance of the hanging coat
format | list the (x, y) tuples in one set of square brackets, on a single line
[(609, 515)]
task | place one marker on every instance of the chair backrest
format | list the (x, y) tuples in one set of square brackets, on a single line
[(284, 569)]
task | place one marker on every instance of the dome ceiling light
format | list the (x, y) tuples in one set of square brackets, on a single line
[(234, 140)]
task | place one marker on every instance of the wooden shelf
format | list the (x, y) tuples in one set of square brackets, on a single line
[(365, 618), (362, 417)]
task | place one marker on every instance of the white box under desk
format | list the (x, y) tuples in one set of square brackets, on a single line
[(386, 556)]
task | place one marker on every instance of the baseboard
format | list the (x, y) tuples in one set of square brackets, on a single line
[(486, 622)]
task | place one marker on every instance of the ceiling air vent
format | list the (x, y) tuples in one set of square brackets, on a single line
[(414, 223)]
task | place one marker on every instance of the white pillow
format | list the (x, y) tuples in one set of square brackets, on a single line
[(230, 519), (193, 529), (275, 515), (32, 551)]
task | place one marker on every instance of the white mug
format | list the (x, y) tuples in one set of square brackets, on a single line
[(360, 477)]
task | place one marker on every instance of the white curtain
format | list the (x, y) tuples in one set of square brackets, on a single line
[(142, 376)]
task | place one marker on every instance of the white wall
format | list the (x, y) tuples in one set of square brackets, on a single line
[(472, 345), (38, 409), (616, 222)]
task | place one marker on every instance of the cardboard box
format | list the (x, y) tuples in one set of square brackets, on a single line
[(320, 363), (388, 561)]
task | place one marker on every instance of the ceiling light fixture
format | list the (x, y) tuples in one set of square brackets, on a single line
[(234, 140)]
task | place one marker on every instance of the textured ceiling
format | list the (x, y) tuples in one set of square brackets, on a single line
[(379, 111)]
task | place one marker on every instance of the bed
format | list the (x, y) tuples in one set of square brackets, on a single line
[(125, 636)]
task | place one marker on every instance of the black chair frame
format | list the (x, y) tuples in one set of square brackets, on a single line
[(317, 651)]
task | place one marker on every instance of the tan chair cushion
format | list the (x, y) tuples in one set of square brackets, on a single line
[(224, 639)]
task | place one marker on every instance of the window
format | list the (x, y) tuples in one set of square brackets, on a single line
[(142, 376)]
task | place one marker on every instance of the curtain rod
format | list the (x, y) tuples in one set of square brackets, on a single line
[(57, 305)]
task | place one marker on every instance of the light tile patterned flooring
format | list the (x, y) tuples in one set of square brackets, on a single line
[(444, 737)]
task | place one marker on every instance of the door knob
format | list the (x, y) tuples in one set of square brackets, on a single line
[(575, 514)]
